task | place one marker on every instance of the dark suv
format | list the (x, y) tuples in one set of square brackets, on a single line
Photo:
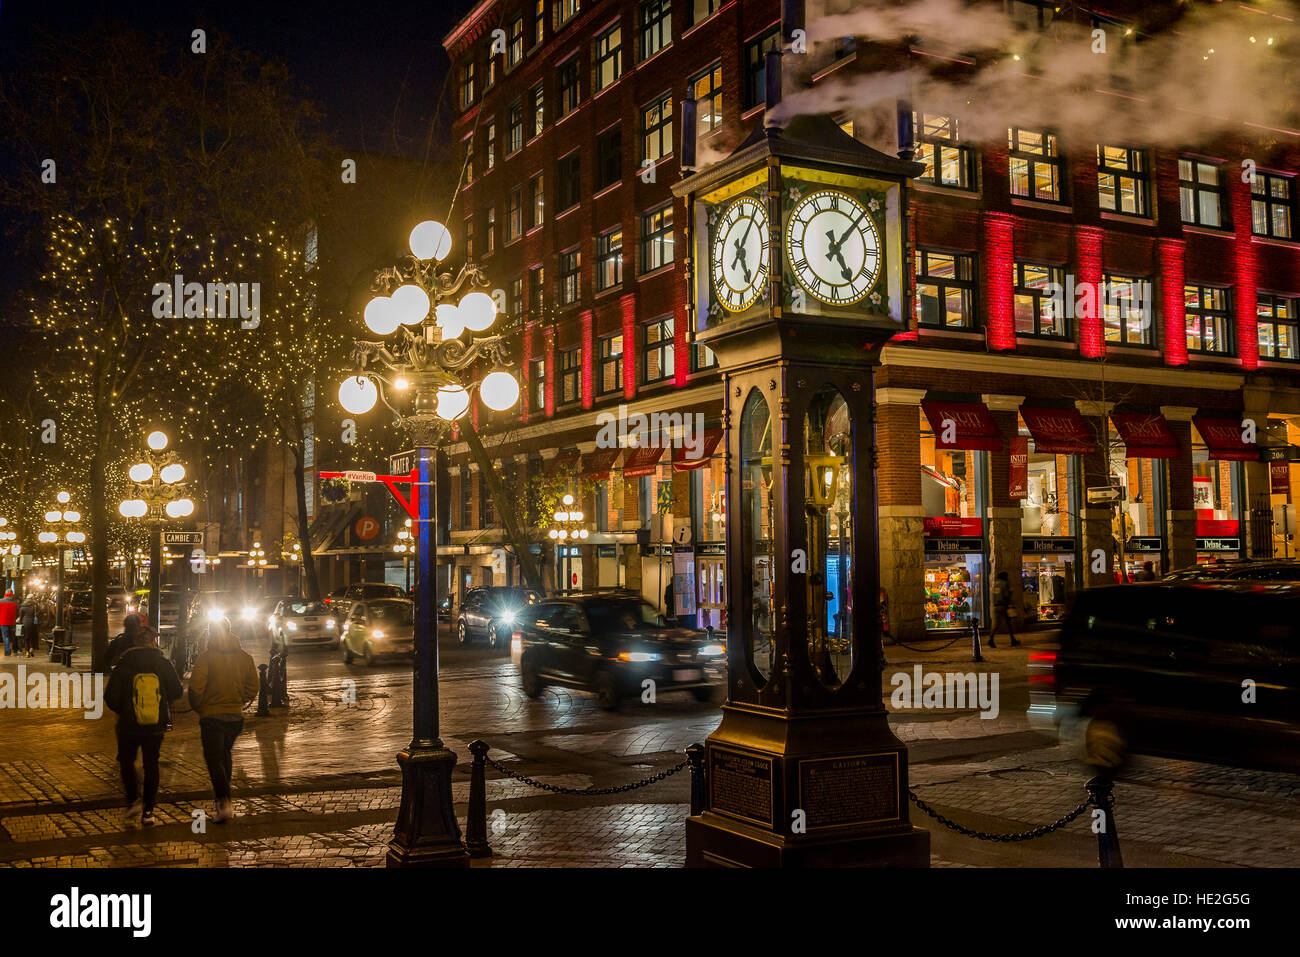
[(610, 645), (1273, 569), (1199, 670), (491, 612)]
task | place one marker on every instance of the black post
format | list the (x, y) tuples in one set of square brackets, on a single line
[(155, 581), (263, 696), (58, 598), (699, 784), (975, 638), (476, 840), (1108, 854), (280, 683)]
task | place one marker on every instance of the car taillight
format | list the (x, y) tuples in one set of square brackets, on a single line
[(1041, 666)]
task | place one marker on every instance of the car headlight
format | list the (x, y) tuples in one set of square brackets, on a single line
[(712, 651), (249, 613), (291, 625), (215, 614), (638, 656), (508, 617), (376, 634), (329, 622)]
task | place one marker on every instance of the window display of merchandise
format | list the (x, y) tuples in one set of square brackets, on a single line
[(952, 592), (1048, 586)]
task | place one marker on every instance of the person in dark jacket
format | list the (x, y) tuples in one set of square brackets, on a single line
[(1147, 574), (224, 680), (131, 627), (29, 621), (140, 691), (1002, 608), (8, 618)]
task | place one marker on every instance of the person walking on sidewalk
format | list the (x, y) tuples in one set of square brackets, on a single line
[(29, 624), (1002, 608), (223, 681), (8, 618), (140, 691)]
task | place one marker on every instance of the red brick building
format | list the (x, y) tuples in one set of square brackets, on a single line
[(1087, 315)]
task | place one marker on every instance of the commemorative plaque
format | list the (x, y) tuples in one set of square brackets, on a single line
[(849, 790), (741, 785)]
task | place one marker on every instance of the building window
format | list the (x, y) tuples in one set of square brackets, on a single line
[(657, 349), (469, 160), (1200, 192), (609, 259), (947, 162), (570, 276), (1271, 198), (517, 296), (756, 66), (1122, 177), (568, 80), (568, 181), (1128, 310), (538, 100), (702, 357), (469, 237), (609, 157), (490, 227), (490, 145), (1037, 302), (565, 10), (466, 498), (611, 364), (487, 513), (539, 22), (657, 238), (609, 56), (491, 78), (1279, 327), (1209, 323), (656, 20), (537, 204), (467, 84), (701, 10), (515, 128), (515, 42), (945, 289), (311, 248), (570, 376), (706, 88), (1035, 164), (515, 214), (536, 289), (537, 385), (657, 129)]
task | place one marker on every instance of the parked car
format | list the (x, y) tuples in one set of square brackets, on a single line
[(1276, 569), (491, 612), (341, 600), (296, 621), (609, 645), (378, 628), (254, 613), (79, 604), (1208, 671)]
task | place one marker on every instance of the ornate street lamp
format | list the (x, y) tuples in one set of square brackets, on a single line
[(159, 485), (61, 530), (419, 372), (565, 532)]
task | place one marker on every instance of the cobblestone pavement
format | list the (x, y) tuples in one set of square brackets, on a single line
[(317, 785)]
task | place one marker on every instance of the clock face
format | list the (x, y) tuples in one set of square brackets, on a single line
[(833, 246), (740, 251)]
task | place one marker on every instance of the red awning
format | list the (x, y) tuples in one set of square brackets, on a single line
[(1146, 435), (1058, 431), (974, 428), (685, 459), (642, 461), (598, 463), (1223, 436)]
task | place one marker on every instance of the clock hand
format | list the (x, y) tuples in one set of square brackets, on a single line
[(740, 255), (844, 267)]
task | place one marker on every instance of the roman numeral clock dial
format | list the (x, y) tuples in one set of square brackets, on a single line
[(740, 251), (833, 247)]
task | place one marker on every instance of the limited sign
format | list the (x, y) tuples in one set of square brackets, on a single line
[(182, 538)]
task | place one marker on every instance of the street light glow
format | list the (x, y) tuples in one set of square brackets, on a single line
[(64, 498), (430, 240), (453, 402), (479, 310), (140, 472), (157, 440), (499, 391), (450, 320), (410, 303), (171, 474), (381, 316), (358, 394)]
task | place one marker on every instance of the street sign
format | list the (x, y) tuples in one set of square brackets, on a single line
[(1280, 453), (366, 528), (1104, 494), (182, 538), (359, 476), (403, 462)]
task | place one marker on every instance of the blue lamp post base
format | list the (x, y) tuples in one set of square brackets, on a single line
[(427, 833)]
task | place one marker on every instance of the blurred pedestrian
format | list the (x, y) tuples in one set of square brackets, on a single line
[(29, 625), (1147, 574), (1002, 608), (8, 618), (140, 691), (223, 681), (131, 628)]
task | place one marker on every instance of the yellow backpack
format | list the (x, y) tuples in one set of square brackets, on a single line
[(146, 698)]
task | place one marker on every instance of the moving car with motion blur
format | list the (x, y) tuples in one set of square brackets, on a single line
[(1240, 569), (379, 628), (341, 601), (490, 612), (609, 644), (1206, 671), (297, 621)]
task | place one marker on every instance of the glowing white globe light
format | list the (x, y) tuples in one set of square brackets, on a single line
[(157, 441), (53, 516), (179, 508), (3, 522), (453, 402), (64, 498), (72, 516), (500, 391), (410, 303), (171, 474), (450, 320), (430, 240), (15, 549), (76, 537), (381, 316), (141, 472), (479, 310), (127, 509), (553, 533), (358, 394)]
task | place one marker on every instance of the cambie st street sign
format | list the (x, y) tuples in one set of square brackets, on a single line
[(182, 538)]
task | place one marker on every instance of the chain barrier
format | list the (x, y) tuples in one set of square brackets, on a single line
[(925, 651), (1003, 838), (556, 789)]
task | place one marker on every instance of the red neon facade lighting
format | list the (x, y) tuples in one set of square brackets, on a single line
[(1087, 254), (1170, 255), (999, 256)]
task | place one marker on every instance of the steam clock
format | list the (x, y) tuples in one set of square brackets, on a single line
[(799, 275)]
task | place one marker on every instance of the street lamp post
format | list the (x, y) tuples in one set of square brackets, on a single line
[(566, 530), (61, 517), (159, 484), (406, 548), (417, 372)]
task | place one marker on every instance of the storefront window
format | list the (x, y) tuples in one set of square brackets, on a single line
[(1138, 527), (1049, 528), (828, 487), (953, 492), (709, 498), (757, 538), (1216, 496)]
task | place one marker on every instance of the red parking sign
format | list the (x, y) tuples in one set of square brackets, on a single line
[(366, 528)]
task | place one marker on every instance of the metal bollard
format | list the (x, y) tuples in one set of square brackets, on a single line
[(280, 686), (476, 840), (1108, 854), (263, 697), (699, 785), (975, 638)]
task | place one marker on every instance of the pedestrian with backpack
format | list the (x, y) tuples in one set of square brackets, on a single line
[(29, 625), (223, 681), (1002, 608), (8, 619), (140, 691)]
